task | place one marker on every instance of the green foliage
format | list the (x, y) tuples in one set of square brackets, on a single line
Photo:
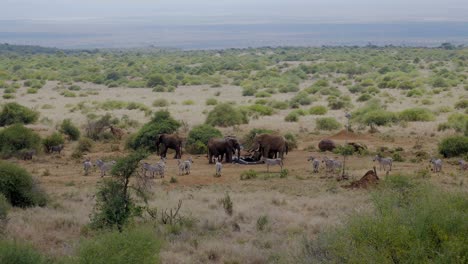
[(138, 245), (345, 150), (155, 80), (456, 121), (248, 139), (69, 129), (261, 109), (454, 146), (188, 102), (85, 144), (15, 113), (336, 103), (262, 222), (17, 253), (198, 138), (211, 101), (416, 114), (462, 104), (247, 175), (18, 186), (291, 139), (318, 110), (74, 87), (373, 113), (17, 137), (161, 102), (162, 122), (327, 123), (53, 140), (226, 115), (301, 98), (278, 105), (364, 97), (411, 223), (292, 117)]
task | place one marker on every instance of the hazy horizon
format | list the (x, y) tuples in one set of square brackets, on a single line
[(227, 23)]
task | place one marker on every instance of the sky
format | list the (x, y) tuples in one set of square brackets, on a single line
[(214, 11)]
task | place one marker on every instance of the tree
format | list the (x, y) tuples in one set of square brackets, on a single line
[(155, 80), (13, 113)]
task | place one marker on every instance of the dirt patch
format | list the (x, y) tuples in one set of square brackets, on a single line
[(343, 134)]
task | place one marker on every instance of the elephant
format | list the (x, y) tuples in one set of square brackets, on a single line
[(271, 146), (217, 147), (172, 141)]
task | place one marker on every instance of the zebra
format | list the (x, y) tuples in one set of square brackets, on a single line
[(219, 167), (315, 164), (188, 165), (384, 162), (273, 162), (156, 169), (331, 164), (463, 165), (437, 163), (57, 148), (181, 166), (87, 166), (105, 166)]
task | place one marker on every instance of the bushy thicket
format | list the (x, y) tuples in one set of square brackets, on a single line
[(327, 123), (69, 129), (139, 245), (16, 138), (411, 223), (226, 115), (318, 110), (15, 113), (18, 253), (161, 122), (416, 114), (454, 146), (18, 186), (198, 138), (53, 140), (374, 114), (457, 121)]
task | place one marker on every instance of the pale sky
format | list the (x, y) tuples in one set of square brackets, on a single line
[(220, 10)]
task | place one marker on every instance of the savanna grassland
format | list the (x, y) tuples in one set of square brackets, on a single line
[(410, 104)]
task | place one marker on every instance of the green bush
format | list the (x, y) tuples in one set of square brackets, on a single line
[(69, 129), (462, 104), (292, 117), (18, 186), (162, 122), (291, 139), (16, 138), (198, 138), (247, 175), (161, 102), (130, 246), (225, 115), (188, 102), (364, 97), (411, 223), (74, 87), (327, 123), (261, 109), (15, 113), (416, 114), (84, 144), (53, 140), (457, 121), (155, 80), (454, 146), (12, 252), (278, 105), (211, 101), (262, 94), (373, 113), (318, 110)]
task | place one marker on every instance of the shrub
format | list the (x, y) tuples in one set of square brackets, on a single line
[(8, 96), (18, 186), (291, 139), (74, 87), (155, 80), (138, 245), (457, 121), (373, 113), (188, 102), (410, 224), (15, 113), (17, 137), (318, 110), (292, 117), (161, 102), (416, 114), (31, 91), (327, 123), (454, 146), (262, 94), (462, 104), (53, 140), (261, 109), (162, 122), (198, 138), (69, 129), (225, 115), (17, 253), (247, 175), (227, 204), (211, 101), (262, 222), (336, 103), (84, 144), (278, 105), (302, 98), (364, 97)]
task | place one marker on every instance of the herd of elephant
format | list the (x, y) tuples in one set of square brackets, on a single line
[(264, 145)]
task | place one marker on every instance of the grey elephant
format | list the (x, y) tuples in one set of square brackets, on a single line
[(218, 147), (270, 146)]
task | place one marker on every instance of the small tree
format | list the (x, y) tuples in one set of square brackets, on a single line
[(225, 115), (69, 129), (15, 113), (113, 202), (17, 137), (198, 138), (53, 140), (346, 150)]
